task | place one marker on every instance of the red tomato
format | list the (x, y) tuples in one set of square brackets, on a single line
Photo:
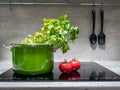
[(75, 64), (65, 67)]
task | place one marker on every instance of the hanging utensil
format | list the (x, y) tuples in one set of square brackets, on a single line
[(93, 37), (101, 35)]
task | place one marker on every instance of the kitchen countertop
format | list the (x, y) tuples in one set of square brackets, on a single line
[(90, 85)]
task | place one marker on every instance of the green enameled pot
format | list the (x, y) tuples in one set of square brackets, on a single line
[(33, 59)]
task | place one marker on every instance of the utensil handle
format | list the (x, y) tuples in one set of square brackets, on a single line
[(93, 16), (102, 18), (7, 46)]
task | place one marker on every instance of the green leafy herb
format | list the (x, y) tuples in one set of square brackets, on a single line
[(57, 32)]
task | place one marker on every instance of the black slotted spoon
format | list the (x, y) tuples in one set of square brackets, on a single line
[(93, 37), (101, 35)]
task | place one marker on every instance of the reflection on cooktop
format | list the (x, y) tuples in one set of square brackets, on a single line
[(89, 71), (48, 76)]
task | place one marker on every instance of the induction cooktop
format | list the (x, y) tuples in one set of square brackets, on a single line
[(89, 71)]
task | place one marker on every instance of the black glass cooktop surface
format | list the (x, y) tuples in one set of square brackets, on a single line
[(89, 71)]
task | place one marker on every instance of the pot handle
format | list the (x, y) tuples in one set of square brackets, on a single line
[(7, 46)]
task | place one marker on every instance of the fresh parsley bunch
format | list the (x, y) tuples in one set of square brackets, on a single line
[(57, 32)]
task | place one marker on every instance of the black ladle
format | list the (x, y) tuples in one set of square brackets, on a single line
[(93, 37), (101, 35)]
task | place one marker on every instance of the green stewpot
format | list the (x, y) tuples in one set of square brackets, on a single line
[(33, 59)]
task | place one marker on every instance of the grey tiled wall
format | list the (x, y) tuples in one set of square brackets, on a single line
[(17, 21)]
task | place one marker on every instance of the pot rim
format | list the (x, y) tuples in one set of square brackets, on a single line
[(29, 45), (16, 44), (10, 46)]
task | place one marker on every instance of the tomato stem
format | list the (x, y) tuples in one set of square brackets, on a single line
[(74, 59), (65, 61)]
